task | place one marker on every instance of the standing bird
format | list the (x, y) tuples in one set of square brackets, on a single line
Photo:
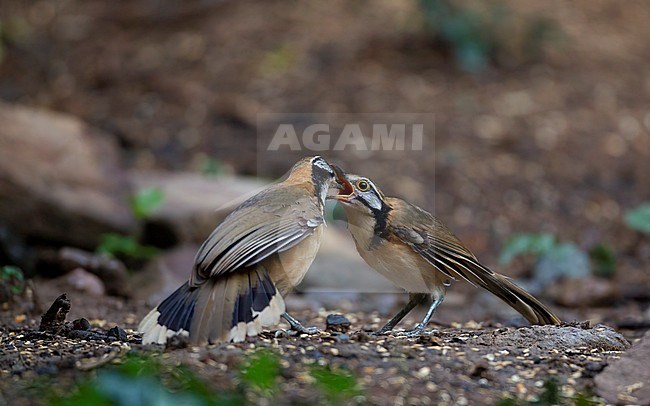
[(418, 253), (249, 262)]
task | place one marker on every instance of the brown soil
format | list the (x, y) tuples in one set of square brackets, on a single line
[(461, 364)]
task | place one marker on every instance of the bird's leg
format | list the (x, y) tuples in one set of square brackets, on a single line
[(414, 300), (438, 297), (295, 325)]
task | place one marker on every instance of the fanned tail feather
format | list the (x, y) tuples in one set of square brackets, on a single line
[(227, 309), (173, 316)]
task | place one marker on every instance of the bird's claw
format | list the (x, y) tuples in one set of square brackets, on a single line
[(285, 333), (305, 330), (294, 331), (419, 330), (380, 332)]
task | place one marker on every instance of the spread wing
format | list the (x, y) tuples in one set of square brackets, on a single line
[(258, 228)]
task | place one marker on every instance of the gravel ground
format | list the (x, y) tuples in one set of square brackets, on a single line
[(470, 363)]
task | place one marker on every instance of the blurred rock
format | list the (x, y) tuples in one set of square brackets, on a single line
[(111, 271), (84, 281), (583, 292), (555, 338), (60, 180), (194, 204), (339, 268), (626, 381), (164, 274)]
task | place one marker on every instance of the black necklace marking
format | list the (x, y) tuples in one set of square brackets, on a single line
[(381, 220)]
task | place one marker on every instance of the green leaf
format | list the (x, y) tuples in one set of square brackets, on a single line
[(212, 167), (116, 244), (604, 260), (551, 394), (142, 380), (146, 201), (13, 277), (565, 260), (261, 371), (582, 399), (538, 244), (335, 384), (639, 218)]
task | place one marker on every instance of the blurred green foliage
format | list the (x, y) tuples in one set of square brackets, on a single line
[(336, 385), (278, 61), (261, 371), (146, 201), (551, 396), (559, 259), (478, 33), (212, 167), (13, 278), (144, 380), (2, 43), (115, 245), (143, 204), (537, 244), (639, 218), (603, 260)]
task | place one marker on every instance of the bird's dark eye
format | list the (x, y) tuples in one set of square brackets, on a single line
[(363, 186)]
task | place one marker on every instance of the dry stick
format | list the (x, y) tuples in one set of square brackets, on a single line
[(105, 359)]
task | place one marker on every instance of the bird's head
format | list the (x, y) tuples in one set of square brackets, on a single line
[(319, 174), (359, 193)]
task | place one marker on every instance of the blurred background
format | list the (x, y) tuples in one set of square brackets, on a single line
[(125, 124)]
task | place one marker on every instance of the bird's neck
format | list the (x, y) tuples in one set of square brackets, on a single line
[(367, 228), (361, 225)]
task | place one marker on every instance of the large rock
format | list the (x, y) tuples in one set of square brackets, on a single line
[(561, 338), (627, 381), (60, 180), (194, 204)]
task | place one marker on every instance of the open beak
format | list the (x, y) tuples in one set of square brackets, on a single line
[(346, 189)]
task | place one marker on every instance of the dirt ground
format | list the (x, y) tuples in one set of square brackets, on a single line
[(467, 363)]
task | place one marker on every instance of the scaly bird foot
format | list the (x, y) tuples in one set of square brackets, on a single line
[(419, 330), (381, 332), (306, 330)]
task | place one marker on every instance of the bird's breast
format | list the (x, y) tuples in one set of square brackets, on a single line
[(392, 259), (288, 268)]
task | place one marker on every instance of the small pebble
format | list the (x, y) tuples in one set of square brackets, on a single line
[(337, 322), (118, 333), (81, 324)]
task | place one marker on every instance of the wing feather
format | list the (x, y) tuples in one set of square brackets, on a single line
[(451, 259), (258, 228)]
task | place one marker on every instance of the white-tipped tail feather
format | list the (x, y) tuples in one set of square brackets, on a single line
[(230, 308), (268, 317), (154, 333)]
